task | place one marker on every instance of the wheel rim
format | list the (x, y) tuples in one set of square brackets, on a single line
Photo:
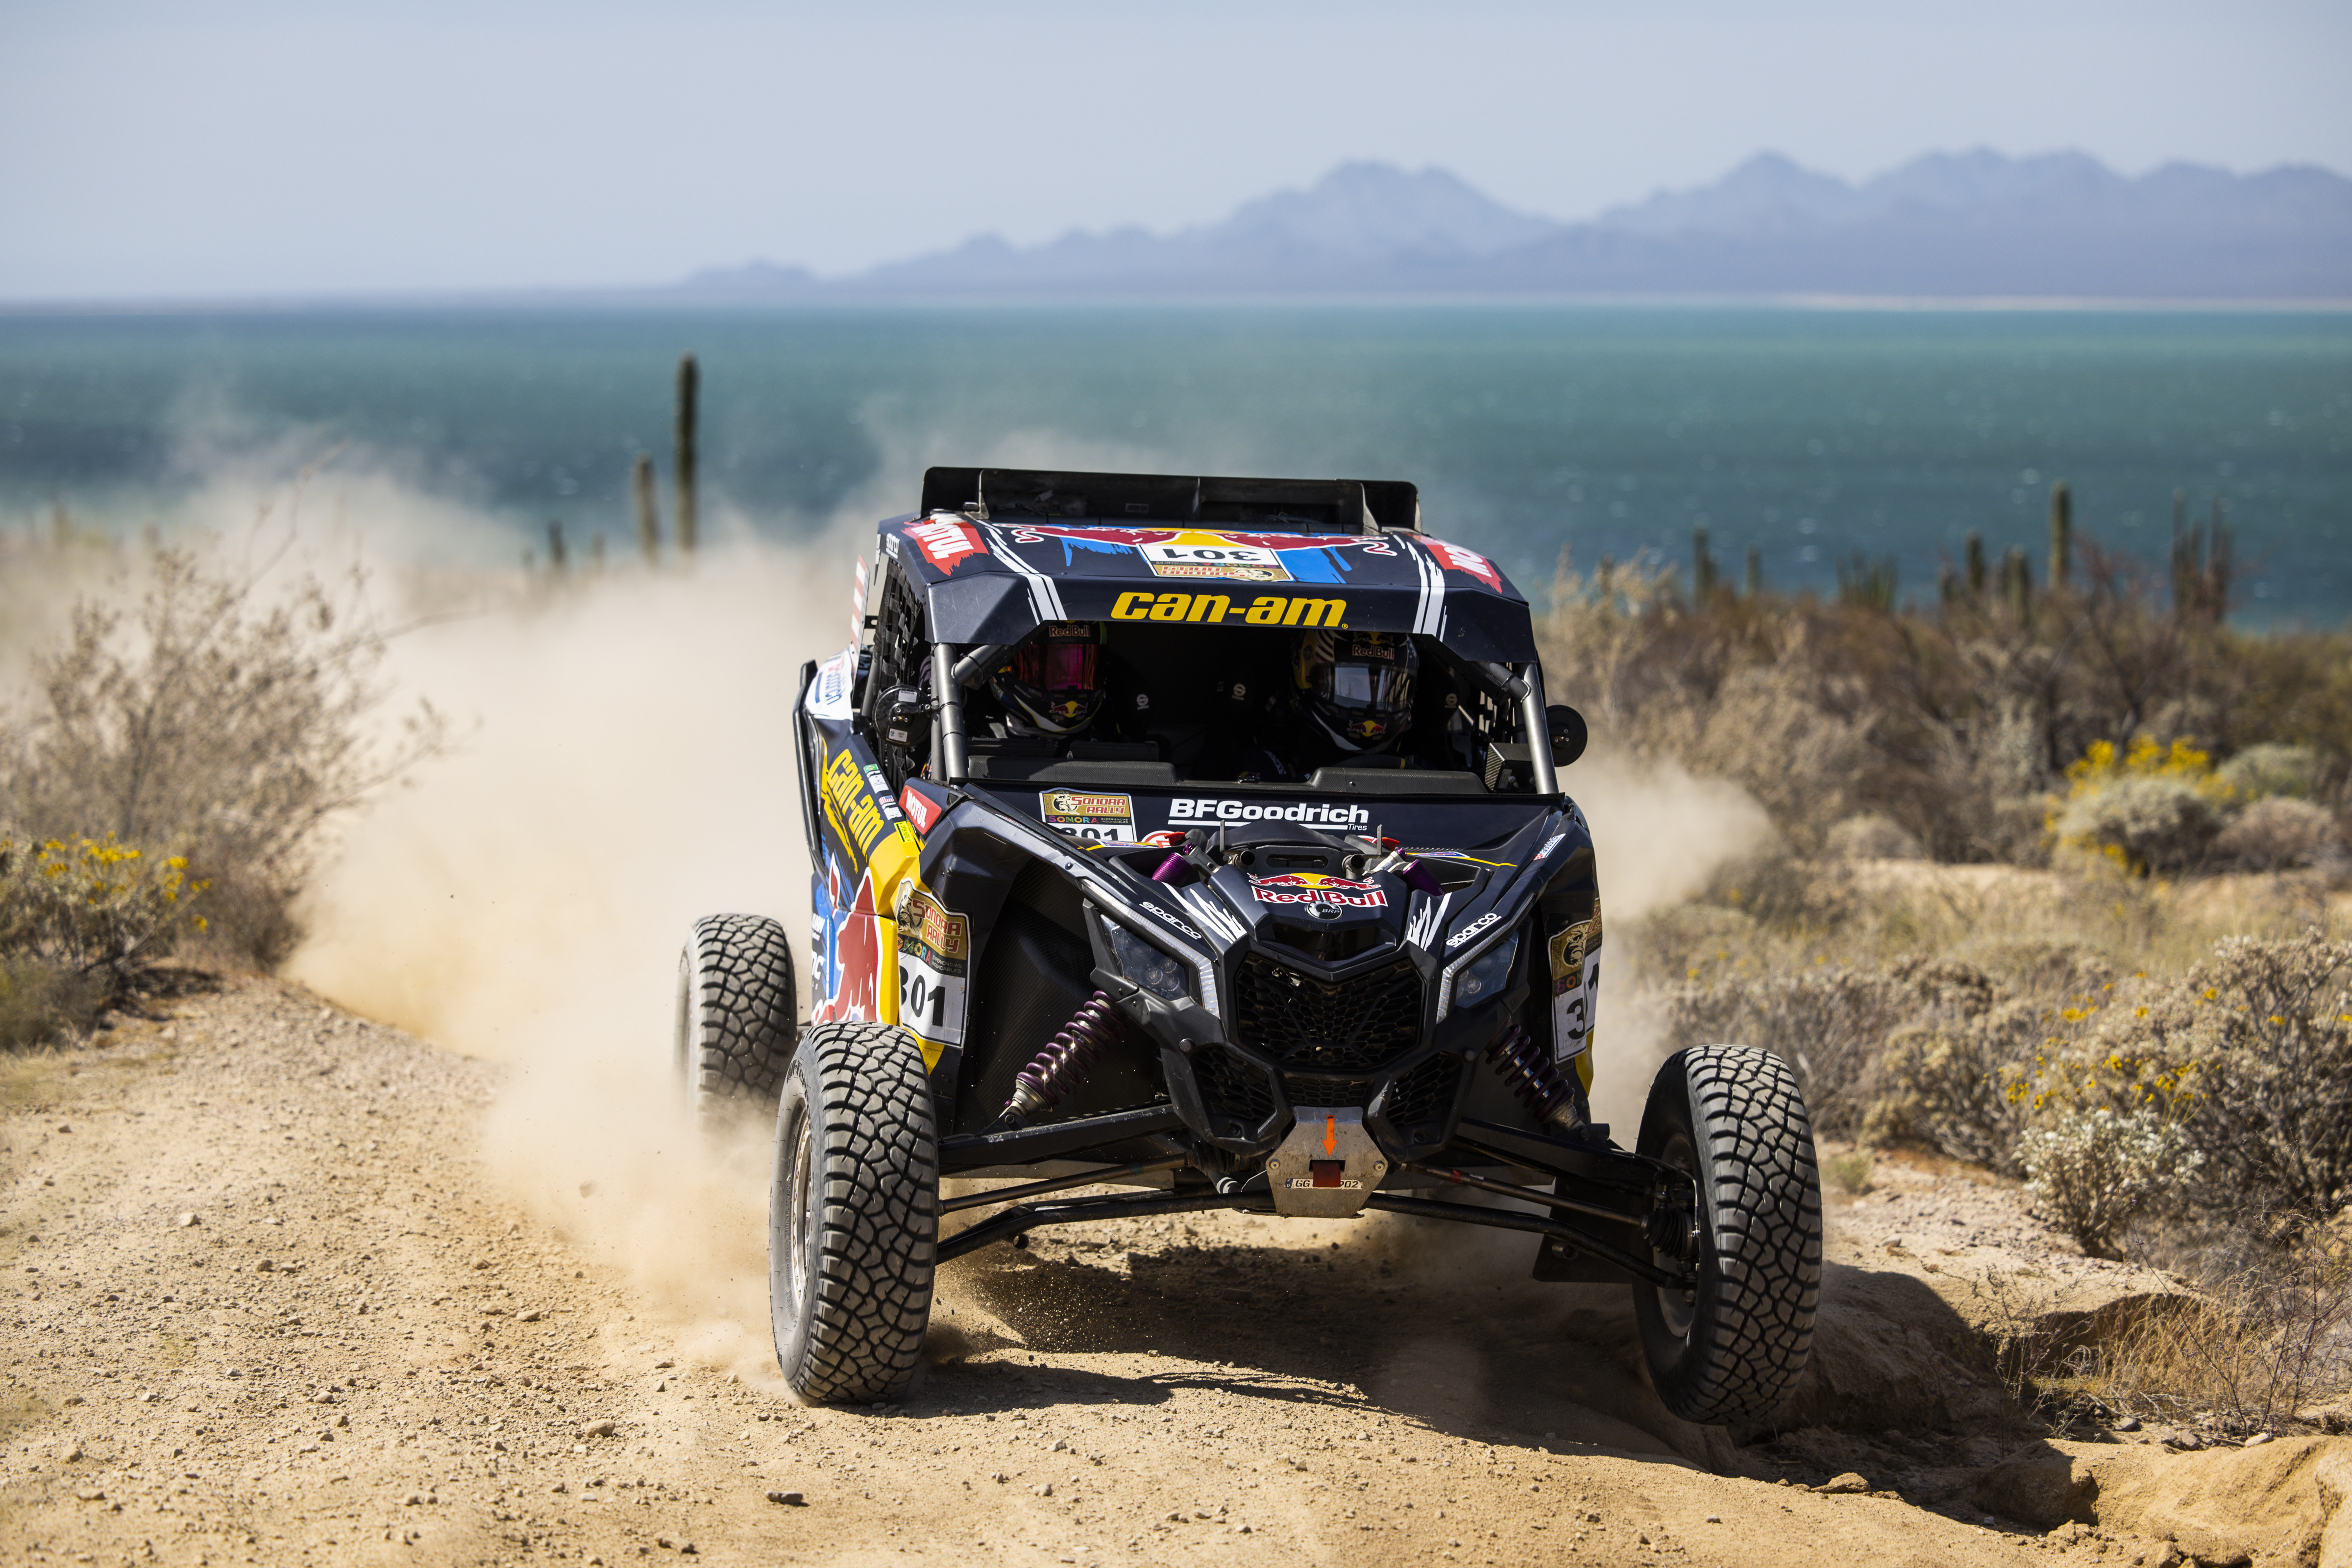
[(802, 1209), (1679, 1309)]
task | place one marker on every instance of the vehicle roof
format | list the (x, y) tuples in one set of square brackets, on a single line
[(1030, 547)]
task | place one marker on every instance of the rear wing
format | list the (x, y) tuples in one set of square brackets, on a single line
[(1283, 506)]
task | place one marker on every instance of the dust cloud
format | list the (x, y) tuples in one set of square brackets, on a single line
[(626, 765), (1660, 835)]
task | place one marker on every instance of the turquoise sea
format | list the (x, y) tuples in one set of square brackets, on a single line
[(1809, 435)]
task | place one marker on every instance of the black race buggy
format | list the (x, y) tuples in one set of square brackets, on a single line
[(1104, 961)]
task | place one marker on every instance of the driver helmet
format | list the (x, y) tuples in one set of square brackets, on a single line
[(1052, 684), (1357, 686)]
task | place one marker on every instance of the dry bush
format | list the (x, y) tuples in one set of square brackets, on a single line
[(2104, 1172), (2279, 833), (94, 909), (220, 723), (1852, 1170), (2250, 1053), (2269, 1337), (1949, 1081), (40, 1003), (1874, 837), (2148, 823), (2269, 769), (1829, 1024), (1955, 721), (2267, 1029)]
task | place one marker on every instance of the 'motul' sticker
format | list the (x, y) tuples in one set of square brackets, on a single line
[(1086, 814)]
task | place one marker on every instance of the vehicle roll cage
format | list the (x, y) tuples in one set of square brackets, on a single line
[(952, 671)]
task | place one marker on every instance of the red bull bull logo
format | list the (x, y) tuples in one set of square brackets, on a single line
[(1314, 888)]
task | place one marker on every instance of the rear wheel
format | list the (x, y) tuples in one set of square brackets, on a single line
[(737, 1013), (1729, 1350), (852, 1214)]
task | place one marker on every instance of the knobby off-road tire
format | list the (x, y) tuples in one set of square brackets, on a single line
[(852, 1214), (1727, 1352), (738, 1014)]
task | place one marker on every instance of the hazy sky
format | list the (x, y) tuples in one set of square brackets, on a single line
[(248, 146)]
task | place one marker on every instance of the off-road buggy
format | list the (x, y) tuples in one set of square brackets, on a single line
[(1089, 963)]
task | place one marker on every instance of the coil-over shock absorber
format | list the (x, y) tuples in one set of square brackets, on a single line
[(1528, 1069), (1064, 1062)]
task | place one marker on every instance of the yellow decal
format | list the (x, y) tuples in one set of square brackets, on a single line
[(1316, 613), (1216, 609), (850, 805)]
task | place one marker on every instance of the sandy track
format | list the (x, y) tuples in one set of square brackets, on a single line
[(359, 1352)]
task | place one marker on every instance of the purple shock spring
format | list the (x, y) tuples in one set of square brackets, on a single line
[(1530, 1073), (1067, 1060)]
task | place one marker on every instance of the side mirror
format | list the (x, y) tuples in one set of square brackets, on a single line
[(1567, 734)]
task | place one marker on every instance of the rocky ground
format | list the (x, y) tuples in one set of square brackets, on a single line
[(267, 1301)]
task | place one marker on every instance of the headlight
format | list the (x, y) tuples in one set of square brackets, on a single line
[(1145, 964), (1489, 975)]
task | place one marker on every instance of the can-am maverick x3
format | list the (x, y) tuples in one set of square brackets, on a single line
[(1076, 934)]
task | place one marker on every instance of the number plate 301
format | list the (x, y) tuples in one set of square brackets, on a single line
[(934, 956)]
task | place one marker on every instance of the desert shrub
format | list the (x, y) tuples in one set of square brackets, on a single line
[(2278, 833), (2250, 1053), (94, 909), (1951, 1080), (1850, 1171), (2151, 809), (2271, 769), (1954, 719), (40, 1003), (1874, 837), (2264, 1339), (2058, 968), (2267, 1026), (1827, 1024), (2147, 824), (2102, 1172), (218, 717)]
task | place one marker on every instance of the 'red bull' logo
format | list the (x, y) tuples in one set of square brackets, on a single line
[(1314, 888)]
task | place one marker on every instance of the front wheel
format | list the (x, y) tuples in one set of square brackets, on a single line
[(1729, 1350), (852, 1214)]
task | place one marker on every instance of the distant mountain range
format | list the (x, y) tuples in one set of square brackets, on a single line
[(1974, 224)]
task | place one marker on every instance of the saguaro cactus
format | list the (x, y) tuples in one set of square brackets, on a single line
[(2017, 581), (2217, 562), (648, 511), (2062, 535), (1976, 565), (1702, 568), (689, 385)]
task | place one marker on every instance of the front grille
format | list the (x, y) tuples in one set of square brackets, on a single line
[(1237, 1095), (1323, 944), (1305, 1023), (1424, 1095), (1306, 1089)]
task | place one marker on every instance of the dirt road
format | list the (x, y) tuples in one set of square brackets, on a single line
[(267, 1302)]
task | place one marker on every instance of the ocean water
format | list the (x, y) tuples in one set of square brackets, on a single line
[(1808, 435)]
